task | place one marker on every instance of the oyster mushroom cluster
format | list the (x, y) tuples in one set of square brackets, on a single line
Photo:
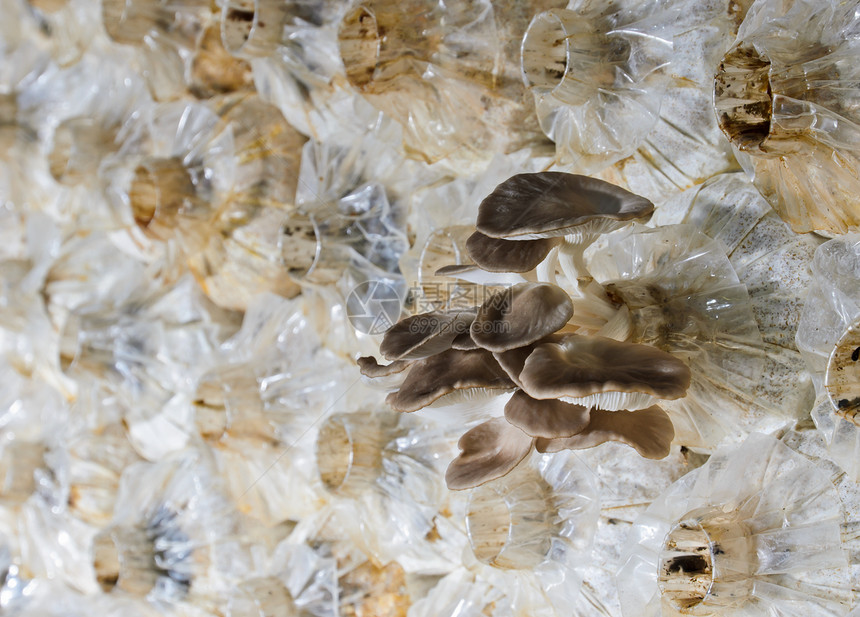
[(566, 389)]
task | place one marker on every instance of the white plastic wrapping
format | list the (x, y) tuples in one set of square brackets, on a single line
[(824, 337), (775, 524)]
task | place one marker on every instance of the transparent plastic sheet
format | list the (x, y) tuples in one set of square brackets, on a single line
[(685, 146), (79, 118), (175, 535), (355, 202), (684, 296), (196, 172), (461, 594), (148, 352), (162, 33), (776, 517), (357, 584), (771, 261), (627, 485), (85, 108), (43, 598), (389, 468), (91, 464), (262, 401), (46, 539), (304, 79), (786, 97), (450, 80), (213, 70), (259, 28), (830, 313), (27, 341), (24, 178), (598, 74), (533, 530), (68, 28)]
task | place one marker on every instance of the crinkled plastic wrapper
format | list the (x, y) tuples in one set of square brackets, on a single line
[(386, 469), (221, 184), (535, 525), (598, 73), (684, 297), (785, 95), (772, 262), (447, 72), (757, 530), (827, 337)]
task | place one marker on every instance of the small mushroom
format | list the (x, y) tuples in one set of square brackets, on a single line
[(432, 378), (487, 451), (648, 431), (520, 315), (582, 366), (499, 255), (549, 418), (550, 204), (420, 336), (370, 367)]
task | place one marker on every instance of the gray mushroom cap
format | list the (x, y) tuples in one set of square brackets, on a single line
[(548, 418), (649, 431), (432, 378), (550, 203), (499, 255), (488, 451), (420, 336), (521, 315), (580, 366), (512, 361)]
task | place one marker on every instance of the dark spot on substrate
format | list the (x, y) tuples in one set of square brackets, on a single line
[(687, 563), (855, 355), (847, 404), (240, 15)]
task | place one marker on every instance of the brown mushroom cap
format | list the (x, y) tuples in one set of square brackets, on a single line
[(464, 342), (549, 418), (580, 366), (370, 367), (521, 315), (512, 361), (649, 431), (499, 255), (550, 203), (488, 451), (420, 336), (434, 377)]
